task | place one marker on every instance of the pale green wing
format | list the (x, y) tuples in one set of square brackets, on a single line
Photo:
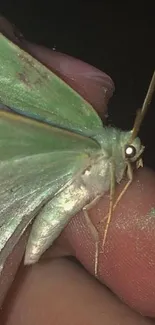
[(29, 87), (36, 161)]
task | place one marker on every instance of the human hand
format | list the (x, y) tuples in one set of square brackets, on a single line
[(58, 290)]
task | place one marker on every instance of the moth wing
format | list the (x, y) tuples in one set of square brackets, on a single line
[(36, 161), (36, 91)]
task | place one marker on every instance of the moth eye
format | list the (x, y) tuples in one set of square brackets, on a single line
[(130, 151)]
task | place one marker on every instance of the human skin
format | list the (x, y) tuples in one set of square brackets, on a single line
[(58, 290)]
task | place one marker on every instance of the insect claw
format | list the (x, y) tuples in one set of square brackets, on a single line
[(139, 163)]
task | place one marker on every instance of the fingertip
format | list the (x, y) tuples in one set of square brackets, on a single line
[(127, 264)]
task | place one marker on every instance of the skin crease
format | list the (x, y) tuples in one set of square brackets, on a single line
[(59, 291)]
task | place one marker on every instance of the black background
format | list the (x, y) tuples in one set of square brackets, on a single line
[(118, 39)]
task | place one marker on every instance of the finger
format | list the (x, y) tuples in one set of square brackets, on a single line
[(92, 84), (8, 29), (61, 292), (8, 272), (128, 262)]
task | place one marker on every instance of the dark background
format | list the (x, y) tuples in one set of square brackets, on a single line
[(118, 39)]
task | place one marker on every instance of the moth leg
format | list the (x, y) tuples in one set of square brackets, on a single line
[(93, 230), (92, 203), (113, 206), (130, 176)]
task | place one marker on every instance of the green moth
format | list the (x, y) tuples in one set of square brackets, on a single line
[(56, 156)]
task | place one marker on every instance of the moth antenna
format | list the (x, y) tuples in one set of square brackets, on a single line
[(143, 110)]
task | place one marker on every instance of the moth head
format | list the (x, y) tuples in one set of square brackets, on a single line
[(133, 151)]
